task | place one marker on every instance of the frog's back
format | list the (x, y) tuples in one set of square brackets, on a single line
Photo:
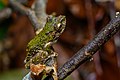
[(35, 42), (38, 43)]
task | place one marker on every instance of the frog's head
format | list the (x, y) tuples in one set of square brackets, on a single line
[(56, 25), (60, 24)]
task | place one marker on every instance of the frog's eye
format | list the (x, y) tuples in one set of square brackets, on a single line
[(51, 18), (58, 25)]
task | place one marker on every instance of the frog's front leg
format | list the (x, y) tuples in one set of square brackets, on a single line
[(49, 44), (51, 73), (55, 67)]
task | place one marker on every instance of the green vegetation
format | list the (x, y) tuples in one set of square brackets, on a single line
[(17, 74)]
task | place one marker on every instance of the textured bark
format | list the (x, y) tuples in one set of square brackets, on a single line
[(93, 46)]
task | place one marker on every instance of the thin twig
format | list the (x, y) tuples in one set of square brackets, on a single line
[(91, 48), (5, 13), (29, 12), (37, 14), (39, 7)]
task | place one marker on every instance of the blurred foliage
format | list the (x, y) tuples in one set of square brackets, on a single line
[(16, 74), (3, 3), (4, 28)]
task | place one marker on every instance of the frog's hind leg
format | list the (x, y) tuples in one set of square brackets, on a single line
[(51, 72), (51, 65), (55, 65), (55, 72)]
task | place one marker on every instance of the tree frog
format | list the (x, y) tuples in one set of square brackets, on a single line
[(41, 58)]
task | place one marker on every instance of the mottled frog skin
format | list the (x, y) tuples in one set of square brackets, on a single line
[(41, 57)]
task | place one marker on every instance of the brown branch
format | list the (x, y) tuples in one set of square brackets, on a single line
[(29, 12), (39, 8), (37, 14), (91, 48)]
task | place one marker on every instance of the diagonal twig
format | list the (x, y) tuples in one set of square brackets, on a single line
[(87, 51), (5, 13), (24, 10)]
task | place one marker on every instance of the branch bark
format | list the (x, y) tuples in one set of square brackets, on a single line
[(37, 15), (24, 10), (5, 13), (90, 49)]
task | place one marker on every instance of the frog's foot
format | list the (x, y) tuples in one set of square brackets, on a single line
[(53, 55), (55, 72), (37, 69), (52, 71), (51, 68)]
